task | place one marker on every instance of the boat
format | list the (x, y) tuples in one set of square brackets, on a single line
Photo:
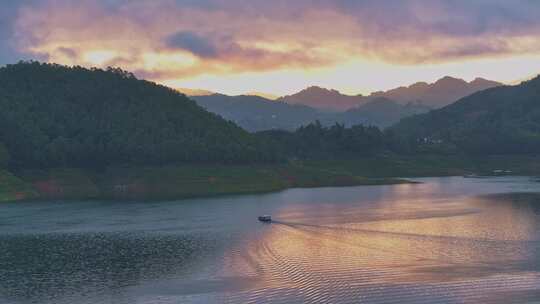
[(265, 218)]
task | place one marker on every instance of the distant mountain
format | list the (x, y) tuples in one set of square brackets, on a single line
[(434, 95), (324, 99), (438, 94), (499, 120), (255, 113), (381, 109), (381, 112)]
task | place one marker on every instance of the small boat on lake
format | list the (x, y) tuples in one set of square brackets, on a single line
[(265, 218)]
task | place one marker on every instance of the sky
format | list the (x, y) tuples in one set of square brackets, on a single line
[(280, 46)]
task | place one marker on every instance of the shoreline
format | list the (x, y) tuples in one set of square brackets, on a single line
[(398, 181), (172, 183), (183, 181)]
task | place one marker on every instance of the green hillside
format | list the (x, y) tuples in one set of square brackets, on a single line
[(55, 116), (502, 120)]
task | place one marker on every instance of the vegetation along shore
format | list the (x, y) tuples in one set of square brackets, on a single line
[(76, 133)]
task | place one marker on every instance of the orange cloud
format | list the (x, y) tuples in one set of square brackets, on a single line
[(171, 40), (91, 35)]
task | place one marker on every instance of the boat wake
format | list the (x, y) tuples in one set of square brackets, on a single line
[(301, 262)]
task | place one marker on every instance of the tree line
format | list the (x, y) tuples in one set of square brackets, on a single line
[(315, 141)]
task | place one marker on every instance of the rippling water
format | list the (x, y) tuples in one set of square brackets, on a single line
[(447, 240)]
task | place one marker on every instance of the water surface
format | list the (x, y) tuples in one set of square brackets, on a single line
[(447, 240)]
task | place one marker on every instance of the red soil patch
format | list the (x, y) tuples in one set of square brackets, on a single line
[(49, 188)]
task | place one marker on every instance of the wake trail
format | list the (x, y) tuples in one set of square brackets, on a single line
[(448, 259), (406, 234)]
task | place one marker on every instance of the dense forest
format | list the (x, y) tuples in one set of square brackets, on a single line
[(54, 115), (315, 141), (502, 120)]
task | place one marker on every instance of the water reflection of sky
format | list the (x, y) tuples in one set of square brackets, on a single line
[(447, 240)]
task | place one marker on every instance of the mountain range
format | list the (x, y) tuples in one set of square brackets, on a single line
[(434, 95), (255, 113), (381, 109), (324, 99), (438, 94)]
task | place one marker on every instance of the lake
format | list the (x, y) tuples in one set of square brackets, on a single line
[(445, 240)]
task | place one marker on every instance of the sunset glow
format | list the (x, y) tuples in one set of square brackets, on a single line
[(279, 47)]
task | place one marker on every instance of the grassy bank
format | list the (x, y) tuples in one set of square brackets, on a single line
[(184, 181), (13, 188), (431, 165)]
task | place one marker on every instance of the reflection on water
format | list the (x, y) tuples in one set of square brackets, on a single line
[(448, 240)]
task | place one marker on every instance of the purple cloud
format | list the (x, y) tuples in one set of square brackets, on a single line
[(194, 43), (260, 34)]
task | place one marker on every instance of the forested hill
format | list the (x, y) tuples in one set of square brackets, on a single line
[(54, 115), (500, 120)]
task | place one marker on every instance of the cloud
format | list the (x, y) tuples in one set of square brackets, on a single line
[(193, 43), (70, 53), (8, 14), (186, 38)]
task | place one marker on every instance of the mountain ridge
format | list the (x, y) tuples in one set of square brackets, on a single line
[(434, 95), (323, 99), (439, 93)]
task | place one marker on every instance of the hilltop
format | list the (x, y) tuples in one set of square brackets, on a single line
[(54, 115), (438, 94), (323, 99), (501, 120)]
